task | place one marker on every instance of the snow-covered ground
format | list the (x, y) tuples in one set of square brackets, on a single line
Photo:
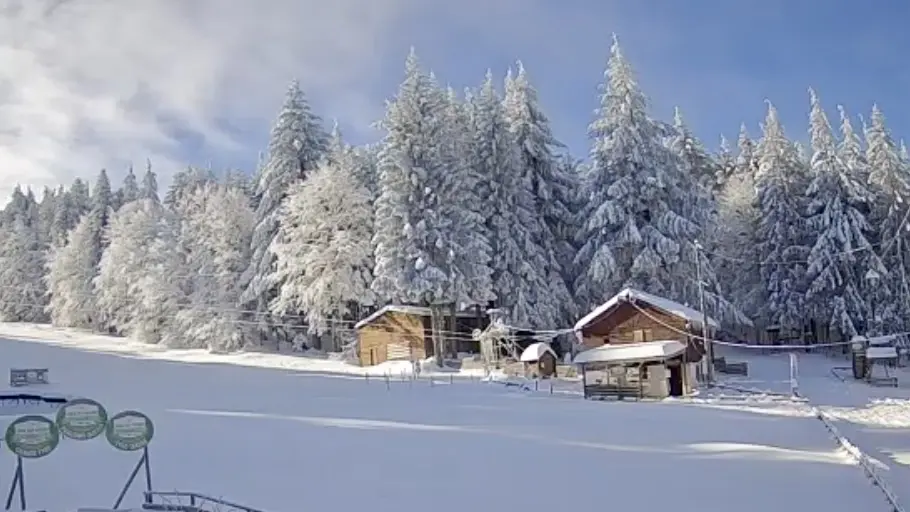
[(312, 362), (875, 419), (283, 440)]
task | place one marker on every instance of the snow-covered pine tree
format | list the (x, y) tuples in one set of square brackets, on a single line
[(514, 227), (850, 150), (726, 163), (47, 210), (74, 204), (128, 192), (633, 228), (323, 251), (889, 182), (428, 246), (693, 200), (237, 179), (297, 145), (149, 184), (102, 198), (467, 203), (781, 232), (71, 269), (136, 288), (23, 294), (214, 239), (186, 183), (840, 255), (696, 161), (736, 230), (552, 186)]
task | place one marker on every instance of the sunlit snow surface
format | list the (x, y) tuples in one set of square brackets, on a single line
[(283, 441)]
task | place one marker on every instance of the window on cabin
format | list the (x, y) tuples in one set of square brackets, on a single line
[(642, 335)]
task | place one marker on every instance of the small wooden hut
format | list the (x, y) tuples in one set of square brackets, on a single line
[(539, 360)]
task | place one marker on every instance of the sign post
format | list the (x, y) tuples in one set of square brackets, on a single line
[(794, 375), (131, 431), (29, 437), (80, 419)]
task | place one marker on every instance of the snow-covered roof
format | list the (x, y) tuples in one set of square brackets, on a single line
[(630, 294), (631, 352), (408, 310), (535, 351), (881, 352)]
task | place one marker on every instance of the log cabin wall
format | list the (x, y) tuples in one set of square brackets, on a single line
[(390, 337), (626, 324)]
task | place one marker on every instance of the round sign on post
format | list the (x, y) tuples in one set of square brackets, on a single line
[(129, 431), (32, 437), (81, 419)]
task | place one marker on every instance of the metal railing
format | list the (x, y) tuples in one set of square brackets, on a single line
[(196, 502)]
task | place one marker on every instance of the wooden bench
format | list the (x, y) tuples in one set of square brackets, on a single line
[(722, 366), (28, 376), (736, 369), (883, 381), (601, 392)]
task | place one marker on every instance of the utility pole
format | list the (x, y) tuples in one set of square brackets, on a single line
[(709, 348)]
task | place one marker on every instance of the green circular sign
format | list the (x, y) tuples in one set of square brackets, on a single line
[(81, 419), (32, 437), (129, 431)]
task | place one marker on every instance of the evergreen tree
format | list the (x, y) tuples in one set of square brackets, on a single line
[(71, 269), (128, 192), (781, 234), (323, 251), (136, 288), (296, 147), (47, 211), (738, 217), (889, 181), (22, 290), (149, 184), (553, 186), (841, 255), (186, 183), (637, 230), (214, 238), (412, 260)]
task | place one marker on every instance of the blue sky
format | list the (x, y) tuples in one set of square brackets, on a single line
[(93, 85), (717, 60)]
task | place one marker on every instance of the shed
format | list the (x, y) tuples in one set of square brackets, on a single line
[(635, 317), (402, 332), (633, 369), (539, 360)]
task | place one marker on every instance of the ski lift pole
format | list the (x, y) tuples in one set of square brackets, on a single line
[(709, 347)]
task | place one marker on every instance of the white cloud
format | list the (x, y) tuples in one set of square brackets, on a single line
[(86, 84)]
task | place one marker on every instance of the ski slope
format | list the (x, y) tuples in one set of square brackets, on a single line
[(280, 440)]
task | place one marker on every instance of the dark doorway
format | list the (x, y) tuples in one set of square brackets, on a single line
[(676, 380)]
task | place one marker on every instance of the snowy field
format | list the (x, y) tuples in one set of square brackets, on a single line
[(875, 419), (282, 440)]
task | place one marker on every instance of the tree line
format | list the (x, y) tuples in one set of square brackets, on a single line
[(470, 200)]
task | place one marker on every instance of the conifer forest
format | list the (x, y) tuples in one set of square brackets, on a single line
[(469, 199)]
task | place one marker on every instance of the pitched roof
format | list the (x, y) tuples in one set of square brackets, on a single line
[(408, 310), (632, 295)]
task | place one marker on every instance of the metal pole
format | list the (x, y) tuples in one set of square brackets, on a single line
[(129, 482), (148, 469), (21, 485), (709, 348), (14, 485)]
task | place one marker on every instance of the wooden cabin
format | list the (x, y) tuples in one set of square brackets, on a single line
[(403, 333), (539, 361), (633, 317)]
